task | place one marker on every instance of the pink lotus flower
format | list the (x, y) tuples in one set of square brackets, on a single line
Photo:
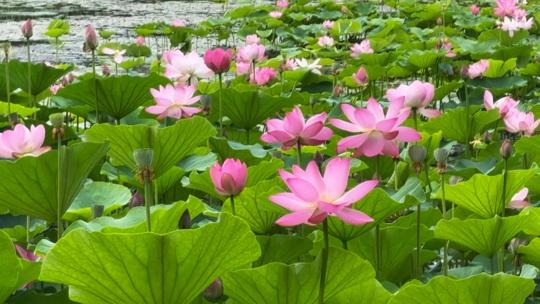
[(512, 25), (22, 141), (118, 55), (378, 133), (262, 76), (519, 200), (477, 69), (294, 129), (230, 178), (253, 39), (275, 14), (168, 56), (505, 8), (446, 45), (242, 67), (25, 254), (313, 197), (140, 40), (90, 38), (27, 29), (328, 24), (174, 101), (251, 53), (417, 96), (504, 105), (178, 23), (289, 65), (520, 122), (187, 67), (55, 87), (325, 41), (474, 9), (282, 3), (218, 60), (361, 76), (363, 48), (520, 13)]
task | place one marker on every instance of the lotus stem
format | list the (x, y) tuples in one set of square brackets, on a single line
[(95, 83), (148, 198), (378, 250), (446, 245), (29, 76), (28, 220), (418, 267), (8, 90), (220, 104), (233, 208), (396, 174), (324, 261), (56, 47), (59, 199), (299, 154), (415, 118), (468, 124), (500, 254)]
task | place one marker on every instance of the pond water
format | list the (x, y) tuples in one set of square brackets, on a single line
[(119, 16)]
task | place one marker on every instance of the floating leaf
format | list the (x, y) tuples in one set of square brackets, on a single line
[(148, 267)]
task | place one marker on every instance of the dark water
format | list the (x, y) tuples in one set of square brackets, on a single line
[(119, 16)]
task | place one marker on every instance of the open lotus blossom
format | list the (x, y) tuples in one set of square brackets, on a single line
[(22, 141), (520, 122), (364, 47), (314, 197), (218, 60), (474, 9), (168, 56), (118, 55), (512, 25), (378, 133), (188, 67), (447, 46), (415, 96), (477, 69), (519, 200), (325, 41), (328, 24), (253, 39), (178, 23), (313, 67), (230, 178), (140, 40), (275, 14), (294, 129), (262, 76), (174, 101), (251, 53), (282, 3), (361, 76), (505, 8), (55, 88), (504, 105), (520, 13), (289, 65)]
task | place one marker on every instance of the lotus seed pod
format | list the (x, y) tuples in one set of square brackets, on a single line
[(143, 157), (57, 120), (417, 153), (441, 155), (506, 149)]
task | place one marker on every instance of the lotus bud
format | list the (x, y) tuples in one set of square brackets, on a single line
[(417, 154), (97, 211), (137, 199), (439, 21), (506, 149), (90, 38), (6, 46), (105, 70), (185, 220), (441, 156), (214, 292), (454, 179), (27, 29), (338, 90)]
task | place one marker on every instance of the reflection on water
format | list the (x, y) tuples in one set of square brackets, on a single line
[(119, 16)]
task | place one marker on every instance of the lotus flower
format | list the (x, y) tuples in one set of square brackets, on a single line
[(118, 55), (477, 69), (313, 197), (55, 88), (328, 24), (379, 133), (275, 14), (90, 38), (185, 67), (140, 40), (251, 53), (22, 141), (27, 29), (218, 60), (520, 122), (505, 8), (361, 76), (230, 178), (313, 67), (512, 25), (25, 254), (294, 129), (174, 101), (282, 3), (416, 96), (289, 65), (169, 55), (474, 9), (363, 48), (253, 39), (446, 45), (504, 105), (519, 200), (262, 76), (325, 41), (178, 23)]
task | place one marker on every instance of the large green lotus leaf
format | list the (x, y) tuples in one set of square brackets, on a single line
[(282, 248), (376, 204), (278, 283), (10, 267), (170, 144), (497, 68), (250, 154), (253, 206), (148, 267), (109, 195), (531, 252), (453, 123), (31, 188), (21, 110), (163, 218), (481, 288), (482, 194), (117, 96), (369, 292), (246, 109), (423, 59), (530, 146), (500, 86), (484, 236), (42, 77)]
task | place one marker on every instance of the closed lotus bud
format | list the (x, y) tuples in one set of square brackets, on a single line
[(214, 292), (506, 149), (137, 199), (185, 220), (90, 38), (143, 157), (338, 90), (105, 70), (6, 46), (57, 120), (97, 211), (27, 29), (439, 21)]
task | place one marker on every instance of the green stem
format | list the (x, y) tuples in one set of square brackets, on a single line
[(396, 174), (446, 245), (8, 91), (378, 250), (59, 200), (56, 45), (29, 69), (505, 181), (377, 167), (415, 119), (418, 267), (220, 103), (233, 208), (299, 153), (345, 244), (27, 232), (95, 83), (467, 113), (324, 262), (148, 198)]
